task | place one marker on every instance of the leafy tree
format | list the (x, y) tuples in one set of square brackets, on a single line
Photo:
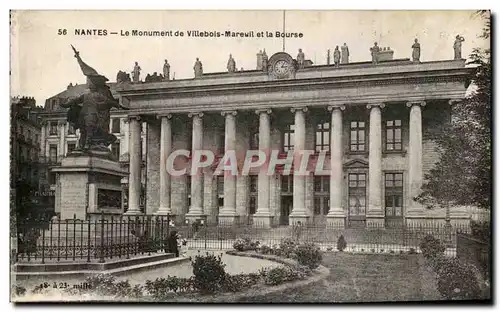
[(463, 174)]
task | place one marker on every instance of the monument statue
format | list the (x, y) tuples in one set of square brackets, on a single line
[(416, 51), (231, 64), (166, 71), (259, 60), (345, 54), (457, 46), (375, 50), (90, 112), (122, 77), (301, 58), (336, 56), (198, 68), (136, 72)]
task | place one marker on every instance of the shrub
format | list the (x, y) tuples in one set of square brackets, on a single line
[(309, 255), (287, 247), (209, 273), (329, 248), (341, 243), (160, 287), (235, 283), (481, 230), (282, 274), (457, 280), (243, 244), (264, 249), (391, 251), (431, 247), (372, 250), (103, 284), (18, 290), (412, 251), (275, 276)]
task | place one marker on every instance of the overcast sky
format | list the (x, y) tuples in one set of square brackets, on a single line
[(42, 62)]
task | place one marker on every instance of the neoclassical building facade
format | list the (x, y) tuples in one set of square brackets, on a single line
[(374, 124)]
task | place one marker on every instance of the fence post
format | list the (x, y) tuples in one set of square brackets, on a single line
[(88, 237), (128, 237), (74, 236), (112, 246), (58, 239), (43, 246), (101, 260)]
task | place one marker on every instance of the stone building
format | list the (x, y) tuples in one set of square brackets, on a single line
[(376, 122)]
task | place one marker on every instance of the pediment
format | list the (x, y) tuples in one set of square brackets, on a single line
[(356, 163)]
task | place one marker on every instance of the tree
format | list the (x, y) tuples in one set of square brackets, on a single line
[(463, 174)]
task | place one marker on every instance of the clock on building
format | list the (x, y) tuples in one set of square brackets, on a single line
[(282, 66)]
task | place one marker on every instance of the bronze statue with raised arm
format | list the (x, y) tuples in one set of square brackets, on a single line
[(90, 112)]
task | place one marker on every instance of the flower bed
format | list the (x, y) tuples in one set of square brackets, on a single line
[(210, 283)]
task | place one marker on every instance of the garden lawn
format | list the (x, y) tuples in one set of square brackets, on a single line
[(366, 278)]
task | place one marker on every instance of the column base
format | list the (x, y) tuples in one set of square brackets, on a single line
[(375, 222), (262, 220), (132, 212), (302, 218), (163, 211), (227, 220), (337, 220)]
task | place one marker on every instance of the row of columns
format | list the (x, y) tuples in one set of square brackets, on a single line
[(336, 215)]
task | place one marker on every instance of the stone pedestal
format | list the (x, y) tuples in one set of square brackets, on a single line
[(337, 221), (262, 220), (89, 184), (294, 219)]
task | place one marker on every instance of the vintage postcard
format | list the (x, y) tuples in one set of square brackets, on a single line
[(250, 156)]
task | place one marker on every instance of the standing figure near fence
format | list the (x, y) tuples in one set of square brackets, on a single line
[(172, 245), (297, 231), (196, 228)]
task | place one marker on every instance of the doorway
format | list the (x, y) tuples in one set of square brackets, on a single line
[(286, 209)]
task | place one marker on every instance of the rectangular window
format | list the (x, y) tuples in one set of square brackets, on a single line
[(53, 153), (394, 194), (358, 136), (252, 206), (71, 147), (357, 194), (287, 184), (393, 138), (52, 178), (115, 126), (254, 140), (288, 135), (220, 185), (115, 150), (53, 128), (322, 137), (71, 129), (321, 195)]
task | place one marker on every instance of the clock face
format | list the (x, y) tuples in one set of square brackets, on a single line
[(282, 67)]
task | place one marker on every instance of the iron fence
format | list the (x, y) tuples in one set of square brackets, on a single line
[(101, 238)]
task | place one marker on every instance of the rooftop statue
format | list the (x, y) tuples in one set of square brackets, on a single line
[(90, 112), (345, 54), (336, 56), (416, 51), (136, 72), (374, 51), (301, 58), (264, 60), (457, 47), (166, 71), (231, 64), (198, 68)]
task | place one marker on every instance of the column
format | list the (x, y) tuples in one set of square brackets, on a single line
[(228, 213), (299, 212), (196, 208), (336, 214), (262, 217), (43, 143), (165, 150), (415, 174), (125, 140), (62, 138), (375, 211), (135, 164)]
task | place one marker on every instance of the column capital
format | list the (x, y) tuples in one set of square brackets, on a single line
[(453, 102), (161, 116), (375, 104), (133, 117), (296, 109), (409, 104), (195, 114), (264, 111), (331, 108), (231, 112)]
